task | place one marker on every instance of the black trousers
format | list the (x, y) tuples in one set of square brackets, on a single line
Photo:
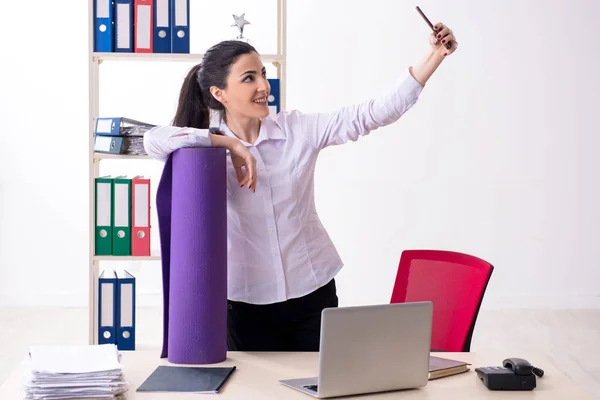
[(292, 325)]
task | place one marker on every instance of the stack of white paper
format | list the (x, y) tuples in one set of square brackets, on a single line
[(74, 372)]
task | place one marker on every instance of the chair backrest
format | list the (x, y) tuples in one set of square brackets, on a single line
[(454, 282)]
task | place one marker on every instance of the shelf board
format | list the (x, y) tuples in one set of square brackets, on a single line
[(127, 258), (168, 57), (104, 156)]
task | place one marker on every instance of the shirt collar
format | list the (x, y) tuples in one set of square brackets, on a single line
[(269, 129)]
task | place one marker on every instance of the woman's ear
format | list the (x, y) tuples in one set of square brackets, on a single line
[(218, 94)]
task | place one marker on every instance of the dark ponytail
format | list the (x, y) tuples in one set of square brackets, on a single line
[(191, 110), (195, 98)]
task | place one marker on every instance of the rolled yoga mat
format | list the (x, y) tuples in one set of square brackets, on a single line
[(191, 204)]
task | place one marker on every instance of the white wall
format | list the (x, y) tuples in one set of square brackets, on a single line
[(497, 159)]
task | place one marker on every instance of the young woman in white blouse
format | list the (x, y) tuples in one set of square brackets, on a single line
[(281, 262)]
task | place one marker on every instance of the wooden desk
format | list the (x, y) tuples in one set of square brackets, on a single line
[(257, 377)]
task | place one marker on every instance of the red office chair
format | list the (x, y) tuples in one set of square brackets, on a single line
[(454, 282)]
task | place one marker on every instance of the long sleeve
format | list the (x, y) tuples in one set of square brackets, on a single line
[(161, 141), (352, 122)]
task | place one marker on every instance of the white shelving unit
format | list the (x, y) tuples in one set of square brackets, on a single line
[(94, 159)]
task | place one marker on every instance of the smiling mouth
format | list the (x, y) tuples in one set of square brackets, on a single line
[(262, 100)]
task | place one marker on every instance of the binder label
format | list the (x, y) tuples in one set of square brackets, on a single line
[(104, 126), (103, 205), (102, 9), (162, 13), (180, 12), (123, 21), (121, 205), (144, 29), (140, 218), (126, 311), (107, 317)]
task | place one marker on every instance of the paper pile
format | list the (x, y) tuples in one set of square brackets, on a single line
[(74, 372), (134, 146), (133, 139)]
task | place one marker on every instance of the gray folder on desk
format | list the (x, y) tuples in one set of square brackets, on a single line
[(186, 379)]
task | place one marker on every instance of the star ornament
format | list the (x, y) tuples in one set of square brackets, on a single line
[(240, 21)]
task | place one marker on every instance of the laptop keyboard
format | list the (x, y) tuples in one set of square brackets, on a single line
[(312, 387)]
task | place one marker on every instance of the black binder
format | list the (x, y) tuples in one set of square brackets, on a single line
[(187, 379)]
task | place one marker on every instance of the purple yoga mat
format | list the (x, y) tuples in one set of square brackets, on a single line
[(191, 204)]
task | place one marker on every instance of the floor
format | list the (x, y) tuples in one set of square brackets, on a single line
[(570, 338)]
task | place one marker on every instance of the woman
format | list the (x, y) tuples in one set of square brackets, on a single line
[(281, 261)]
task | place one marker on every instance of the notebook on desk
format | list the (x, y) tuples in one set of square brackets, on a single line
[(186, 379), (440, 367)]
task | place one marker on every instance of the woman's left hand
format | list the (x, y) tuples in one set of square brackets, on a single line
[(441, 37)]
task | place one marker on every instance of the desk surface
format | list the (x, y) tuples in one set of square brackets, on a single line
[(257, 377)]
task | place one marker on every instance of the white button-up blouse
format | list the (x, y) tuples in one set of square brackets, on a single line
[(277, 247)]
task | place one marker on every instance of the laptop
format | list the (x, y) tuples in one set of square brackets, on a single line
[(370, 349)]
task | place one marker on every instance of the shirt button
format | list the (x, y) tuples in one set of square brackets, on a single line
[(275, 253), (261, 170), (266, 186)]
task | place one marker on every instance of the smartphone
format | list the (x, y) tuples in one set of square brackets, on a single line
[(448, 44)]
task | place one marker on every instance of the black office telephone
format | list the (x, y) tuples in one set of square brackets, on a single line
[(515, 374)]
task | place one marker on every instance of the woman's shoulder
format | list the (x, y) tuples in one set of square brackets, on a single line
[(289, 119), (286, 121), (285, 115)]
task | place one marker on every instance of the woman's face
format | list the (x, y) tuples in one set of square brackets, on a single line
[(247, 88)]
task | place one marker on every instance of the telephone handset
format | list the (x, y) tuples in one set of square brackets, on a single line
[(522, 367), (515, 374)]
